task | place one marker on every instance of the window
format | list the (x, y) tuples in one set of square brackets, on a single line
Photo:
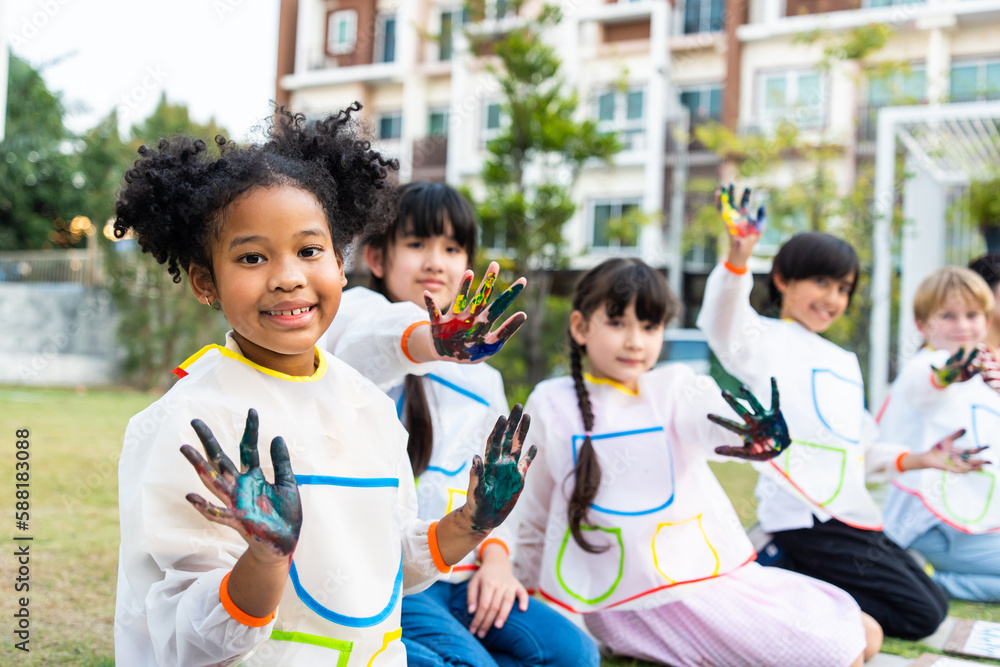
[(614, 224), (341, 31), (909, 87), (973, 81), (390, 125), (704, 103), (703, 16), (451, 20), (493, 120), (437, 123), (385, 38), (623, 112), (798, 97)]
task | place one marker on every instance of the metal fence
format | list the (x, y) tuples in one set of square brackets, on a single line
[(82, 267)]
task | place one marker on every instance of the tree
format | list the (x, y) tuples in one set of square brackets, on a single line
[(531, 167), (161, 323), (40, 182)]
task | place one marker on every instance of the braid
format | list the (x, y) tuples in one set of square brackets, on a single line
[(587, 472)]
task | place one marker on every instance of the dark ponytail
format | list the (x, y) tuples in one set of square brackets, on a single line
[(587, 473), (611, 285), (418, 424)]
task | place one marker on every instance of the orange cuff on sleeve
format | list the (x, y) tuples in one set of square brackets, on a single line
[(406, 337), (432, 542), (735, 269), (237, 613), (899, 462), (488, 542), (934, 381)]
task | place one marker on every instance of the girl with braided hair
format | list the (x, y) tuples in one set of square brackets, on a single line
[(622, 519), (309, 569)]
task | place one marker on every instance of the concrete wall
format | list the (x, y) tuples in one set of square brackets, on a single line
[(56, 335)]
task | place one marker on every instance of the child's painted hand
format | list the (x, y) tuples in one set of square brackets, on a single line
[(463, 334), (491, 594), (495, 486), (957, 368), (945, 456), (738, 220), (268, 516), (989, 367), (765, 433)]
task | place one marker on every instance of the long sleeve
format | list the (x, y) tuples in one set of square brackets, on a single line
[(534, 505), (367, 333), (880, 456), (419, 570), (735, 332), (172, 559), (914, 382)]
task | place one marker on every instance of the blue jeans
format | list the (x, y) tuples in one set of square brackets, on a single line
[(436, 633), (967, 566)]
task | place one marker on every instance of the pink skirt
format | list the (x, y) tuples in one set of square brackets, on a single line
[(754, 617)]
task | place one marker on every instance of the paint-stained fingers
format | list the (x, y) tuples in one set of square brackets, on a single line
[(525, 462), (775, 396), (485, 288), (283, 475), (745, 200), (729, 424), (248, 445), (520, 435), (734, 452), (503, 301), (214, 514), (494, 445), (755, 405), (476, 472), (736, 405), (215, 454), (462, 298), (761, 217), (952, 437), (513, 422), (214, 481), (432, 310), (507, 329)]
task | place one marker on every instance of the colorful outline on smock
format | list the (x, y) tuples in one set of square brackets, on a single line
[(181, 371), (451, 498), (986, 506), (933, 510), (617, 532), (975, 431), (621, 434), (843, 468), (701, 527), (397, 587), (386, 638), (345, 647), (819, 414)]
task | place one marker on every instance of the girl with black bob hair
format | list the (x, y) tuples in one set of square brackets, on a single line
[(813, 499), (482, 615), (623, 521), (261, 231)]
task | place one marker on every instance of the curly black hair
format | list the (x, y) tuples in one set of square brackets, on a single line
[(174, 196)]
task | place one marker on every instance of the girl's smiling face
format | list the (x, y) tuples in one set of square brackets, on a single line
[(411, 264), (815, 302), (276, 275), (619, 348)]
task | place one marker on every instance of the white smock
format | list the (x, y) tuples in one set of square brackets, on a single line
[(361, 545), (464, 401), (921, 414), (665, 520), (835, 440)]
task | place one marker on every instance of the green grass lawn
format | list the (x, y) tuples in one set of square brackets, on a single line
[(75, 443)]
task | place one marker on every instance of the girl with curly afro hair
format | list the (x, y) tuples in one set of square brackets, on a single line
[(308, 568)]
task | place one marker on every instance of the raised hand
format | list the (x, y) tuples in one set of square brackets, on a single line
[(738, 220), (989, 366), (495, 485), (945, 456), (957, 368), (764, 433), (268, 516), (463, 334)]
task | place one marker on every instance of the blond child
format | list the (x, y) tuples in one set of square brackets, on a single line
[(948, 518)]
